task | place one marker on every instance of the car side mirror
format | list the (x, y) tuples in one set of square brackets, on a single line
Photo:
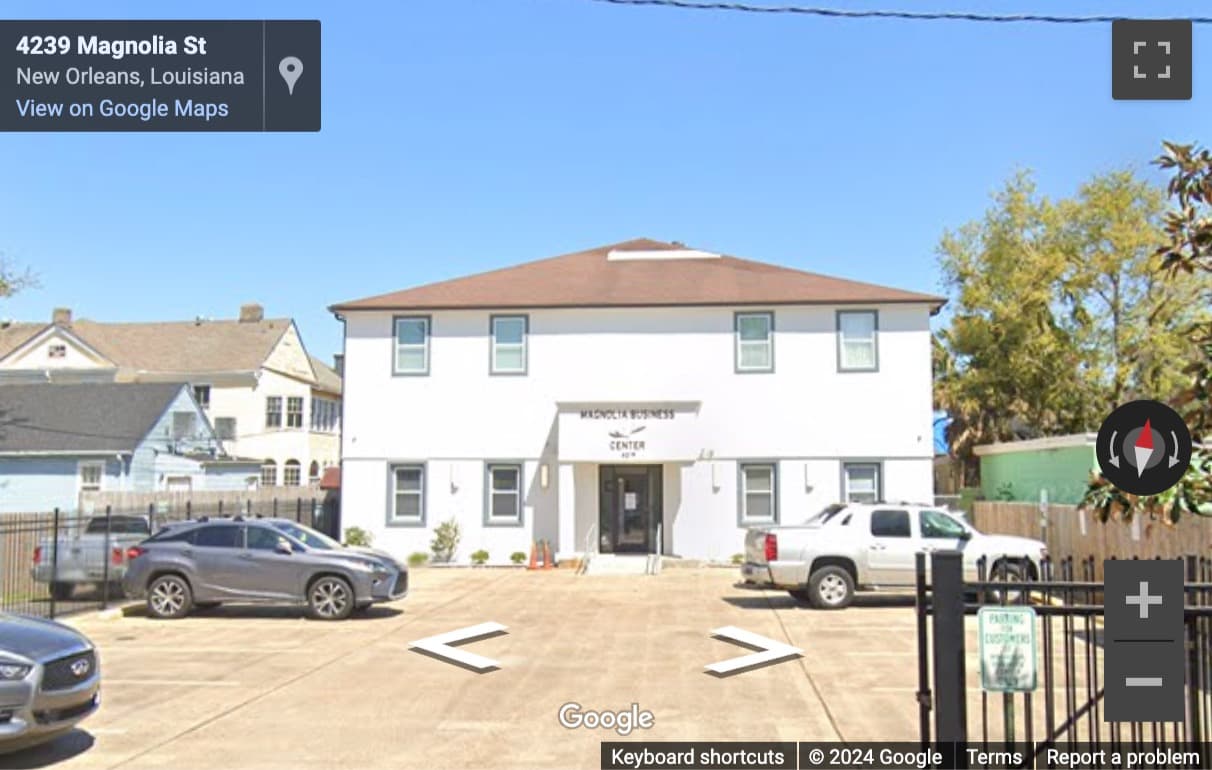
[(284, 548), (967, 535)]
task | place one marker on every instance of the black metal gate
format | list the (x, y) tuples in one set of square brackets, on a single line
[(1067, 711)]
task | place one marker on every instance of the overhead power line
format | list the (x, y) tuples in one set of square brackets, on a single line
[(840, 13)]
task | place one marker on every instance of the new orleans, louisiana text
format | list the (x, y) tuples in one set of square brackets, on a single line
[(91, 76)]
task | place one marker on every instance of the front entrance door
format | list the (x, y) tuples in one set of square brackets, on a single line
[(629, 508)]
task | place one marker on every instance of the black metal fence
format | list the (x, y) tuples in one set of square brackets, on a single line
[(53, 564), (1068, 711)]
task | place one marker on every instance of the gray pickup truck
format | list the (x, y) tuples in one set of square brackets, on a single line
[(866, 546), (67, 561)]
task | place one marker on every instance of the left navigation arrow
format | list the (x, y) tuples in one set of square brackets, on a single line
[(440, 646)]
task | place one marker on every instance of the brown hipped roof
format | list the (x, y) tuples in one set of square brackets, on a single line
[(590, 279)]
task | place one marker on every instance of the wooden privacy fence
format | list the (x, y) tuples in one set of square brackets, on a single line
[(264, 501), (1071, 532)]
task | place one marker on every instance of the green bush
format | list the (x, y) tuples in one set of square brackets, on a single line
[(479, 557), (517, 557), (445, 541), (417, 559), (359, 537), (738, 558)]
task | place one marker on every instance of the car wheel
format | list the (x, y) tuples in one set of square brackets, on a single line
[(330, 598), (1007, 572), (61, 592), (169, 597), (800, 595), (830, 588)]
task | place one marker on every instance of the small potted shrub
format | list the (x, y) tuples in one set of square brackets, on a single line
[(479, 558), (417, 559), (517, 557)]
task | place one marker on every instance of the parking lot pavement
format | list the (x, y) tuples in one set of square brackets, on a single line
[(264, 688)]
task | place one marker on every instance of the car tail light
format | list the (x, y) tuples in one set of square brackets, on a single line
[(133, 552), (115, 555), (38, 554), (772, 547)]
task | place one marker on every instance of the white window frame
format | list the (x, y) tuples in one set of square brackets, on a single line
[(56, 350), (874, 341), (297, 467), (279, 412), (261, 476), (397, 346), (490, 519), (497, 347), (879, 480), (394, 519), (739, 345), (743, 517), (80, 466)]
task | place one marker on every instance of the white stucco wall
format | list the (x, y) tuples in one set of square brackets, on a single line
[(805, 415)]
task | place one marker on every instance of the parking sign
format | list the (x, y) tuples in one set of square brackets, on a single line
[(1007, 649)]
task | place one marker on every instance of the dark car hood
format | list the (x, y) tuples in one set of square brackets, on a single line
[(39, 639)]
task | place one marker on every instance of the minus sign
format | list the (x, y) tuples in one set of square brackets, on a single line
[(1142, 681)]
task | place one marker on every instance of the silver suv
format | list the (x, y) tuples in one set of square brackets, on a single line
[(206, 562)]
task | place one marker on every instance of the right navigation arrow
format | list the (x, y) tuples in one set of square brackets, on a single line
[(769, 651)]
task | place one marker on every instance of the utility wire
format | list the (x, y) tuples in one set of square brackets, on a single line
[(840, 13)]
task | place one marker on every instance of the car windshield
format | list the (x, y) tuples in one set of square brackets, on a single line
[(118, 525), (826, 514), (307, 536)]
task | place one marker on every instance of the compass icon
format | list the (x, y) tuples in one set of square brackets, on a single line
[(1144, 447)]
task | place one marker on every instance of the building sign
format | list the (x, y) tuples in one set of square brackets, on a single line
[(1007, 649), (605, 432)]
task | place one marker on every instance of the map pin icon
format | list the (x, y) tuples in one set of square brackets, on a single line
[(290, 68)]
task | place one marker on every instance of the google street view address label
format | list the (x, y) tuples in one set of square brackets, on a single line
[(160, 75)]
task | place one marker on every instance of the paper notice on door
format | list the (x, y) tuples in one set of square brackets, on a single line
[(630, 501)]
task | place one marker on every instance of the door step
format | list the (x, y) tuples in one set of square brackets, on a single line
[(622, 564)]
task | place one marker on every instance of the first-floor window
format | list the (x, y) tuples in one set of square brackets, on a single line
[(90, 476), (408, 494), (758, 485), (861, 482), (504, 493), (313, 473), (290, 473), (269, 474)]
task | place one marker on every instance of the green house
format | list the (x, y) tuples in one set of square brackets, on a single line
[(1020, 470)]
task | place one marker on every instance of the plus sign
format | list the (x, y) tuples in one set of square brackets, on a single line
[(1144, 600)]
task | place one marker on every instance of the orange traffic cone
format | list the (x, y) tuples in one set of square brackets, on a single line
[(533, 560), (547, 562)]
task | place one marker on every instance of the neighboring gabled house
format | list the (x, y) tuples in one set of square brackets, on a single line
[(265, 396), (638, 397), (57, 441)]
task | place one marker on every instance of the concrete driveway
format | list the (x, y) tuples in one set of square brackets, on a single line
[(264, 688)]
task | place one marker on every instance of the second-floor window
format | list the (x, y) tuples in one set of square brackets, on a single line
[(857, 347), (202, 395), (294, 412), (412, 345), (509, 344), (225, 428), (755, 342), (273, 412), (325, 414)]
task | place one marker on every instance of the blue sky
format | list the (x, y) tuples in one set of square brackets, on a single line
[(462, 136)]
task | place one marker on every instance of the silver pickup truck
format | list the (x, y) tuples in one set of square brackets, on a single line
[(69, 560), (865, 546)]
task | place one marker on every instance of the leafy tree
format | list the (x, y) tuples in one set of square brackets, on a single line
[(1059, 313), (1185, 262), (13, 279)]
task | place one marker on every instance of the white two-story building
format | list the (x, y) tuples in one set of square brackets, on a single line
[(640, 397)]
